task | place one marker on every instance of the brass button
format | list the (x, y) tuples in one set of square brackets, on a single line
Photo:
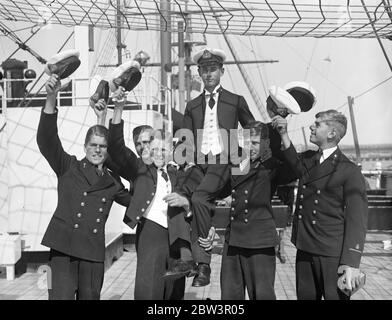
[(95, 230), (314, 211), (153, 194), (100, 210), (232, 218), (300, 207), (148, 201), (103, 199), (316, 201), (313, 222), (299, 217), (246, 220), (318, 191), (232, 191), (233, 200), (82, 204), (232, 209), (301, 196), (138, 218), (79, 215), (98, 220), (246, 210), (85, 193), (246, 201), (303, 187), (76, 226), (143, 209), (246, 191)]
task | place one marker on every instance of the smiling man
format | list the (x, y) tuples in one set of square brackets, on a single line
[(330, 220)]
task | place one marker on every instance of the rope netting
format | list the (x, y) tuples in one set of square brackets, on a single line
[(287, 18)]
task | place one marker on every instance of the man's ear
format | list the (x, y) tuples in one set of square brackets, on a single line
[(222, 70), (332, 134)]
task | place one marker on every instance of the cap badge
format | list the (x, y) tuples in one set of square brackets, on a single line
[(206, 54)]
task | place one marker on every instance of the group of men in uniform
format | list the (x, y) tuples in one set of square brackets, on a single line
[(172, 204)]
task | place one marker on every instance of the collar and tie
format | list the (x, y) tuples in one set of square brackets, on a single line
[(211, 102), (318, 156), (163, 174)]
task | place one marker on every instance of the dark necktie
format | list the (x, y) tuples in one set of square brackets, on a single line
[(317, 157), (164, 175), (211, 103)]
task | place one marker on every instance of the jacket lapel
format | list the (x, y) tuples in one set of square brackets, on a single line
[(224, 113), (153, 173), (200, 109), (94, 181), (238, 179), (326, 168), (172, 172)]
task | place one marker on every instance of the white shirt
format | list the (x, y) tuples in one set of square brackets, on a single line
[(327, 153), (212, 139), (157, 210)]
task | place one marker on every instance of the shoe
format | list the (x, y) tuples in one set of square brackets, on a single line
[(181, 268), (203, 275), (101, 91)]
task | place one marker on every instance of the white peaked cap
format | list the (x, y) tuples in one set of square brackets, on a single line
[(59, 57), (208, 53), (303, 93), (284, 100)]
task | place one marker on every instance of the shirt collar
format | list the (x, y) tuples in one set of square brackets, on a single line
[(328, 152), (216, 90)]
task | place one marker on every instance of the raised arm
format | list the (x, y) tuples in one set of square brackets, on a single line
[(124, 158), (48, 140)]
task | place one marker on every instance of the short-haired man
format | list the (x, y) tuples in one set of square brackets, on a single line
[(330, 220), (248, 258), (213, 110)]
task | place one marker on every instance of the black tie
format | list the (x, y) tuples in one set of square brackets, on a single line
[(211, 103), (164, 175), (317, 157)]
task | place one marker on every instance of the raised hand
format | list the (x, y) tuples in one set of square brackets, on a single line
[(280, 124), (53, 85), (100, 110), (119, 97)]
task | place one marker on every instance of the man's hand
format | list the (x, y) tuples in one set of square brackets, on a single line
[(350, 278), (175, 200), (53, 85), (119, 97), (100, 110), (207, 243), (280, 124)]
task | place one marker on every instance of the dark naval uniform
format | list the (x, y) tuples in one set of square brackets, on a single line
[(248, 258), (330, 220), (76, 232), (153, 241), (232, 109)]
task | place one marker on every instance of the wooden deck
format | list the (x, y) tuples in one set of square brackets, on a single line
[(120, 277)]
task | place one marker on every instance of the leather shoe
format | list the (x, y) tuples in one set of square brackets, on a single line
[(181, 268), (203, 275)]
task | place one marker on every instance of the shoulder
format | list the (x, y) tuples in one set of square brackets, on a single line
[(230, 97), (194, 102)]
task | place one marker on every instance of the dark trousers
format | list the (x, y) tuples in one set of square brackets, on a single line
[(153, 259), (73, 278), (215, 178), (316, 277), (253, 269)]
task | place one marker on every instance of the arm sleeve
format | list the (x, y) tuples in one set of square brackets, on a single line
[(123, 157), (50, 146), (356, 215), (244, 114)]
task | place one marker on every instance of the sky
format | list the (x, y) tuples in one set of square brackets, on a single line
[(335, 68)]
